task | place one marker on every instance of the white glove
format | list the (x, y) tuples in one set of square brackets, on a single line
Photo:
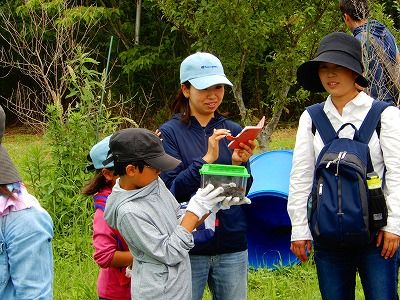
[(230, 200), (204, 200), (128, 271)]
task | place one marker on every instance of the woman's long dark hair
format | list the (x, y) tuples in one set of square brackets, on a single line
[(181, 105), (5, 192), (95, 184)]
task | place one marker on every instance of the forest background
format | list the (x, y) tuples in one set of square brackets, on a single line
[(75, 71)]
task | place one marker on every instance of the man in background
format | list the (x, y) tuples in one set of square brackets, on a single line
[(381, 55)]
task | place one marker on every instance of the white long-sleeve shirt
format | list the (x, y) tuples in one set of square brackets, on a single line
[(385, 151)]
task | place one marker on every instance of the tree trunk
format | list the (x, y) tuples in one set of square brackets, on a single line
[(237, 87), (137, 25), (265, 136)]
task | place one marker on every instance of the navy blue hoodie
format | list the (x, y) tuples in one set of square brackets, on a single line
[(379, 82), (189, 144)]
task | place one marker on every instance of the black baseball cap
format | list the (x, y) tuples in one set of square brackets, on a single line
[(139, 144)]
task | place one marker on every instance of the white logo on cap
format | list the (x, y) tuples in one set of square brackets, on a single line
[(209, 67)]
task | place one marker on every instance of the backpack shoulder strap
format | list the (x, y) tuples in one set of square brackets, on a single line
[(321, 122), (372, 121)]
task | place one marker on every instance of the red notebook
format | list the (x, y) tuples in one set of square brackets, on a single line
[(247, 133)]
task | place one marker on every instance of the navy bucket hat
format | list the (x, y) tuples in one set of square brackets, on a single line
[(338, 48)]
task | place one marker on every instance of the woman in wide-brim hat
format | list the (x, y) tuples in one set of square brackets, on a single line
[(26, 233), (338, 70), (337, 48)]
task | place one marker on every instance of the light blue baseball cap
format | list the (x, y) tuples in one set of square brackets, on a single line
[(203, 70), (99, 153)]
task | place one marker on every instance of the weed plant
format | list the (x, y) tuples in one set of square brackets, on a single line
[(56, 171)]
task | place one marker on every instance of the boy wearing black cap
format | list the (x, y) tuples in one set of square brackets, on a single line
[(337, 69), (148, 216)]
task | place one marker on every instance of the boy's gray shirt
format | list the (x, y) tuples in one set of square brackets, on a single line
[(148, 219)]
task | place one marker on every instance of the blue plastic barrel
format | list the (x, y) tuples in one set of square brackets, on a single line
[(269, 224)]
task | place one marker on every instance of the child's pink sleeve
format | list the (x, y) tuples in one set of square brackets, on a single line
[(104, 240)]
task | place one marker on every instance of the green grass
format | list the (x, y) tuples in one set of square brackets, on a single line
[(18, 145), (283, 138), (76, 273)]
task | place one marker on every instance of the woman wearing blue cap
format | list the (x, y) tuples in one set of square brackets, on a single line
[(196, 136), (338, 70)]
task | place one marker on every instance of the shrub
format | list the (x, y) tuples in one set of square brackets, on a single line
[(57, 171)]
